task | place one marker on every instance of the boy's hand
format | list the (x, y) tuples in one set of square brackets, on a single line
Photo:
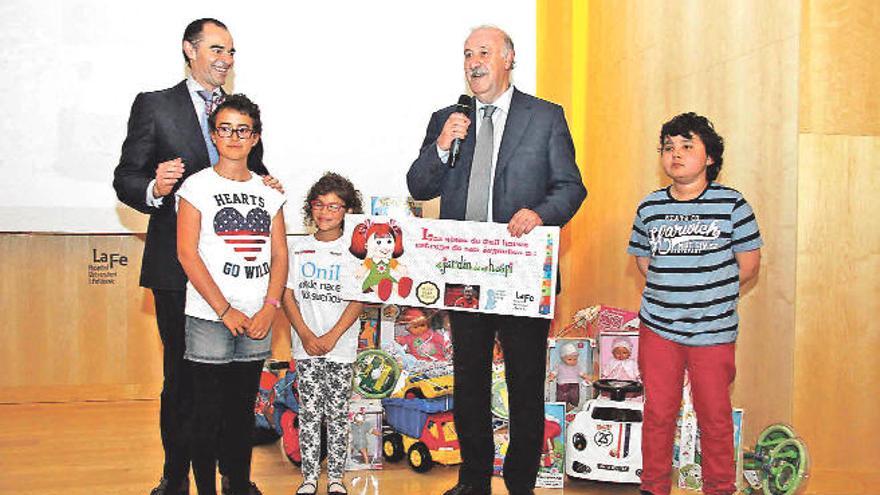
[(261, 322), (236, 321)]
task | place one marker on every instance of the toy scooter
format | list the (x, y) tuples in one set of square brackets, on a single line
[(779, 464)]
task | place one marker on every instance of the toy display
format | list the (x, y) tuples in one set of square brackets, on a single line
[(779, 464), (578, 328), (618, 355), (375, 374), (395, 206), (552, 465), (365, 443), (610, 320), (569, 372), (368, 337), (264, 407), (687, 454), (422, 337), (604, 440), (423, 430)]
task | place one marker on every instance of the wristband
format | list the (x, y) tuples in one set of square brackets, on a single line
[(228, 305), (274, 302)]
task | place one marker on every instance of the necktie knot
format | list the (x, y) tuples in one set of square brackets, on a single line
[(488, 110), (211, 100)]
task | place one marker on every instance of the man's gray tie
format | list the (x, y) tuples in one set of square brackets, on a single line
[(211, 102), (481, 169)]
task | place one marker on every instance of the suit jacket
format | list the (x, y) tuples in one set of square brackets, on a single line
[(163, 125), (535, 167)]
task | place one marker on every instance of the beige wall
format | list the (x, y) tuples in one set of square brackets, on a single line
[(837, 334)]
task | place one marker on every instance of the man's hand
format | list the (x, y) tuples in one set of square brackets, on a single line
[(456, 126), (167, 174), (274, 183), (523, 222)]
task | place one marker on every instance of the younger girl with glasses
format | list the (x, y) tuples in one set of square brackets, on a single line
[(325, 330), (231, 242)]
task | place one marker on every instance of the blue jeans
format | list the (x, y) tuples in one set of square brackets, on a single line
[(211, 342)]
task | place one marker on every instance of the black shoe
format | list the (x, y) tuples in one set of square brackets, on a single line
[(164, 488), (226, 487), (465, 489)]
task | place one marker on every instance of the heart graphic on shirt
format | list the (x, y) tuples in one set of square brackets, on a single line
[(247, 235)]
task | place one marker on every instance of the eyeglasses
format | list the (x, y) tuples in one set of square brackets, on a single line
[(332, 207), (226, 132)]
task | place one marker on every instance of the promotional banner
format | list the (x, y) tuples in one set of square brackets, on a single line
[(468, 266)]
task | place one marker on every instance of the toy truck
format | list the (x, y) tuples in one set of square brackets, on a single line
[(423, 430)]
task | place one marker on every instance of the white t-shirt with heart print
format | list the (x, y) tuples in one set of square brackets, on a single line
[(234, 240)]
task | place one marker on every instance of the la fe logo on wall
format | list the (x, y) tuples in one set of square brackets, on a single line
[(103, 267)]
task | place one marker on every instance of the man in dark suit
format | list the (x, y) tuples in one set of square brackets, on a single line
[(167, 141), (516, 167)]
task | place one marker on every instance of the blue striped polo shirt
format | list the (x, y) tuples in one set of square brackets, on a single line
[(692, 286)]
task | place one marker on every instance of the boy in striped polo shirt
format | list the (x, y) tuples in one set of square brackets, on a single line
[(696, 242)]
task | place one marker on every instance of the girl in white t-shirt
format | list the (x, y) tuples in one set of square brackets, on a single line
[(231, 242), (325, 330)]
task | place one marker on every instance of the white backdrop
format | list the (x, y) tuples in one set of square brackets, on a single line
[(344, 86)]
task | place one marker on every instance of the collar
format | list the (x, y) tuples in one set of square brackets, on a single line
[(501, 103), (192, 85)]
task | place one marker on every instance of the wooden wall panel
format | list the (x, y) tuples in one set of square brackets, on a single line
[(66, 339), (838, 334), (736, 62), (839, 75), (838, 259)]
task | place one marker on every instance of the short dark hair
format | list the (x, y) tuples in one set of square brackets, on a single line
[(241, 104), (332, 182), (688, 124), (193, 32)]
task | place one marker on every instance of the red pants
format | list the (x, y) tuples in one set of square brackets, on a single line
[(711, 370)]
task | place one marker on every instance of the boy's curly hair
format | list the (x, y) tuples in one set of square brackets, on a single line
[(688, 124), (332, 182)]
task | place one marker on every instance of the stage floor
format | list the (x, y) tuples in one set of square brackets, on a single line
[(89, 448)]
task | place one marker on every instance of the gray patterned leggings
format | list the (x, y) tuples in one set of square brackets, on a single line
[(324, 394)]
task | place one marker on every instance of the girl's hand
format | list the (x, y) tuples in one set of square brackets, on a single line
[(312, 345), (236, 321), (328, 342), (261, 322)]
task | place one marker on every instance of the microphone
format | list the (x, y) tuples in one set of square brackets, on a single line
[(463, 106)]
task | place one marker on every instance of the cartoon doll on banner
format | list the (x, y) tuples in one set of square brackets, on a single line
[(379, 245)]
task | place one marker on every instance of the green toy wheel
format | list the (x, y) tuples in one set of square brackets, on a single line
[(787, 469), (772, 436), (375, 374)]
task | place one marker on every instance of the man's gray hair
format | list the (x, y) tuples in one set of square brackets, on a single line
[(508, 42)]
